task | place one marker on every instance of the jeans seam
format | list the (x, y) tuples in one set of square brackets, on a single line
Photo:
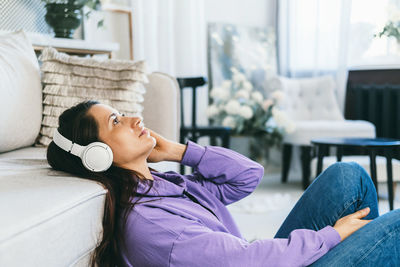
[(377, 243)]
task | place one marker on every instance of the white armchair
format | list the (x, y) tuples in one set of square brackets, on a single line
[(311, 103)]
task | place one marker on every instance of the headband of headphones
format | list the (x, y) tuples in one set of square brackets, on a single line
[(67, 145)]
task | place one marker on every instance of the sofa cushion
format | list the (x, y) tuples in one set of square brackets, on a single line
[(20, 92), (48, 216), (70, 79)]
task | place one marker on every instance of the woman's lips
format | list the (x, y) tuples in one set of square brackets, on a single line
[(143, 132)]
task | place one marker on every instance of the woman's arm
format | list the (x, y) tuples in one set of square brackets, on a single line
[(200, 246), (227, 174)]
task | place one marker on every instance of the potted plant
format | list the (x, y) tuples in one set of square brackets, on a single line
[(391, 28), (65, 16)]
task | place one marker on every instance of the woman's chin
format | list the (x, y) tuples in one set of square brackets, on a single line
[(154, 141)]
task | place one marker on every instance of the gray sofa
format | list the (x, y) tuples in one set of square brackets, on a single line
[(50, 218)]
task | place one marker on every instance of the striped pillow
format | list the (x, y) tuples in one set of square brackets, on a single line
[(69, 80)]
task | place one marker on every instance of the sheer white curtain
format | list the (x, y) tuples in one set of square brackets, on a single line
[(313, 39), (331, 36), (170, 35)]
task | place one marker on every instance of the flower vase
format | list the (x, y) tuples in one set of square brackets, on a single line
[(398, 47), (63, 18), (248, 146), (241, 144)]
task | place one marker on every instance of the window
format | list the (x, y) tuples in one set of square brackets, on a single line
[(368, 17)]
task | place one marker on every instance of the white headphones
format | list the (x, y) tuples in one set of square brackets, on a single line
[(96, 156)]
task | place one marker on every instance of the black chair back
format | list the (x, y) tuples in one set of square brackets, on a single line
[(192, 83)]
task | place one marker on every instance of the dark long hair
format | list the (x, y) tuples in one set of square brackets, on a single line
[(78, 126)]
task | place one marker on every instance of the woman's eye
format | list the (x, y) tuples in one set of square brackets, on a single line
[(116, 120)]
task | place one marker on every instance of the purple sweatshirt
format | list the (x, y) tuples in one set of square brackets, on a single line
[(176, 231)]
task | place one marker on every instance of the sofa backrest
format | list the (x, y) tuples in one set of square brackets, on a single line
[(20, 92)]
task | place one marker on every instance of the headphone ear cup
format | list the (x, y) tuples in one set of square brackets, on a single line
[(97, 157)]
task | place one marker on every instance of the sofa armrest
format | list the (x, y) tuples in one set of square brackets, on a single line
[(161, 111), (161, 105)]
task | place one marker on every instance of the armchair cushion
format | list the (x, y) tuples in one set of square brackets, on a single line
[(364, 161), (311, 103), (307, 130), (310, 98)]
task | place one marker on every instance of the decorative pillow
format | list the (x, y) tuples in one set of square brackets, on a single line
[(69, 80), (20, 92)]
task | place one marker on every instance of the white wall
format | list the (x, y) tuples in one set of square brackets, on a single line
[(259, 13)]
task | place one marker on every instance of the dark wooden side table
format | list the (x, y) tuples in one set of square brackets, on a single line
[(371, 145)]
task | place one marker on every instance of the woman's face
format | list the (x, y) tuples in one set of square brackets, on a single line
[(124, 135)]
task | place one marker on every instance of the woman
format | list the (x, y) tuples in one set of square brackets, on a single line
[(167, 219)]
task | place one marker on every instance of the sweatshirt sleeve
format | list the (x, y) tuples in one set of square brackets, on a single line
[(199, 246), (227, 174)]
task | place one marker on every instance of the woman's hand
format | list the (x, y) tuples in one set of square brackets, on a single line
[(165, 149), (349, 224)]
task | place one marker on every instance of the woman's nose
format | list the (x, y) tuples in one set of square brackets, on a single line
[(137, 121)]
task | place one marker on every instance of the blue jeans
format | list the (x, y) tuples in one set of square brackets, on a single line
[(342, 189)]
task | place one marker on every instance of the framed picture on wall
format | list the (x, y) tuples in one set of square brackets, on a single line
[(250, 50), (114, 17)]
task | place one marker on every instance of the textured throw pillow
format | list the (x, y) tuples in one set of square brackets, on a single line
[(310, 98), (69, 80), (20, 92)]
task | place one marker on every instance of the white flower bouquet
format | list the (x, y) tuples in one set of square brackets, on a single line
[(236, 104)]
